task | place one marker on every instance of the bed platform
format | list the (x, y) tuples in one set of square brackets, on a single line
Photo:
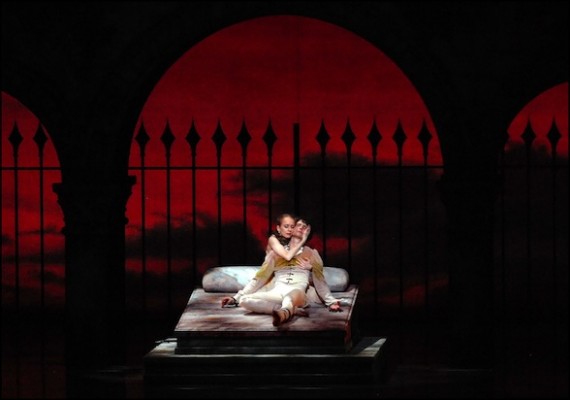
[(210, 342)]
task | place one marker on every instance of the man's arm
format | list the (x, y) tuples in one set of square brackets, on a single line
[(320, 283)]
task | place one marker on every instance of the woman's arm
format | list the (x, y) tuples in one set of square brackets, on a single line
[(274, 244)]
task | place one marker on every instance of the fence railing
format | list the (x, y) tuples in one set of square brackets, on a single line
[(531, 240), (380, 220), (32, 246)]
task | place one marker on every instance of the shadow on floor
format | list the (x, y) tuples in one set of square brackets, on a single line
[(529, 362)]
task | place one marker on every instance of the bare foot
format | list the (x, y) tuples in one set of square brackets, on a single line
[(281, 316)]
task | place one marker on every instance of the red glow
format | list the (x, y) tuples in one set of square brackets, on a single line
[(547, 108), (286, 69), (13, 112), (281, 69)]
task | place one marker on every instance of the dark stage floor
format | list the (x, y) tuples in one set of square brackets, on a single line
[(531, 361)]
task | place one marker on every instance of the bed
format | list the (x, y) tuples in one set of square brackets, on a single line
[(206, 327), (217, 352)]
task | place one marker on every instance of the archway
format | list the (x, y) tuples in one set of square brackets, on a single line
[(286, 113)]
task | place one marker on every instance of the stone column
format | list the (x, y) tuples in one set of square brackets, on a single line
[(94, 214), (469, 200)]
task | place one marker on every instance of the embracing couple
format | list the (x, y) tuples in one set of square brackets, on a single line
[(291, 266)]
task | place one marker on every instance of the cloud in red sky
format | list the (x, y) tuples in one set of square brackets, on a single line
[(282, 69), (286, 69), (13, 112)]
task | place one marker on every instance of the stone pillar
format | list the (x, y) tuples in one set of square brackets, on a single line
[(94, 214), (469, 200)]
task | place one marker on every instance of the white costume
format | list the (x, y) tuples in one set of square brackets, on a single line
[(285, 277)]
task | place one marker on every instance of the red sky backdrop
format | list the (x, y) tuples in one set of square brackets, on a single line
[(281, 69)]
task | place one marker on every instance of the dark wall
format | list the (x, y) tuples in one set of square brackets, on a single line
[(86, 69)]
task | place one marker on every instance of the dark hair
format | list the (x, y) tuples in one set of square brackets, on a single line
[(306, 221)]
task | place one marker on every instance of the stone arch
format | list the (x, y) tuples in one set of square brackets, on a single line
[(86, 70), (156, 36)]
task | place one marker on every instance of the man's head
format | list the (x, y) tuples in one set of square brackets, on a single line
[(300, 227)]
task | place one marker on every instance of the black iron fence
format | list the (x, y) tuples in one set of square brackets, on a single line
[(32, 245), (531, 240), (381, 220)]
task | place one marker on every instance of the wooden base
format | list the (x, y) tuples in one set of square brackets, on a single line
[(355, 374), (230, 352)]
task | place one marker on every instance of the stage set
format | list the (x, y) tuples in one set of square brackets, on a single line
[(217, 351)]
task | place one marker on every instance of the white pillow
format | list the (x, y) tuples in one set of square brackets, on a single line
[(231, 278)]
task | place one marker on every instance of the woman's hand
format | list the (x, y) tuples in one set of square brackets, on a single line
[(306, 233), (335, 307)]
